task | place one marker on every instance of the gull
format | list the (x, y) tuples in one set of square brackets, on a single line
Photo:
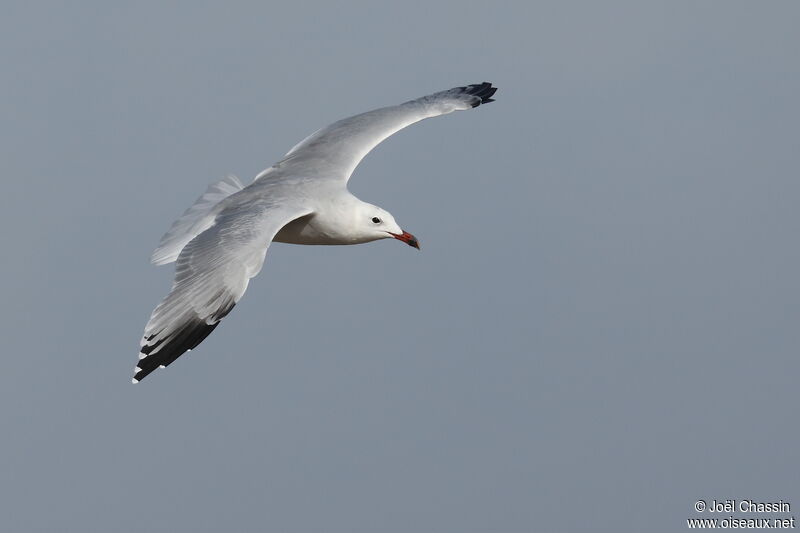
[(220, 242)]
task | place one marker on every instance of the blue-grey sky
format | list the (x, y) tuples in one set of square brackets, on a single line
[(600, 329)]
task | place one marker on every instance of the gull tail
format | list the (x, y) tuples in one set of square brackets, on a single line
[(194, 220)]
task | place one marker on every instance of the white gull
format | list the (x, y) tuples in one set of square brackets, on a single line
[(220, 242)]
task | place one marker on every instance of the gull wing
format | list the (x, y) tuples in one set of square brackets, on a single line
[(212, 273), (335, 151), (194, 220)]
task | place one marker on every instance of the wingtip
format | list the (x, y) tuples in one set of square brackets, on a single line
[(484, 91)]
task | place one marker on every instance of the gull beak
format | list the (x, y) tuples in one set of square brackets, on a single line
[(407, 238)]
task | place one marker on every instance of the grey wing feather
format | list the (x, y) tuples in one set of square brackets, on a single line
[(335, 151), (211, 275), (199, 217)]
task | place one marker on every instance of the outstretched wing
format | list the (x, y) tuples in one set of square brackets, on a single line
[(211, 275), (335, 151), (194, 220)]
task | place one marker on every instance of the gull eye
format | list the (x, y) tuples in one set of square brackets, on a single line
[(376, 220)]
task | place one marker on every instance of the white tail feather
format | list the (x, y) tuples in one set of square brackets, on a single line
[(194, 220)]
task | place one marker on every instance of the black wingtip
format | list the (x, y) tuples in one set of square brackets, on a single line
[(175, 345), (484, 91)]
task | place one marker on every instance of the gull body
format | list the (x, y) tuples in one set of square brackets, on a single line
[(220, 242), (340, 219)]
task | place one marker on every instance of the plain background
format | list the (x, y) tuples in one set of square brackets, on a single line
[(601, 327)]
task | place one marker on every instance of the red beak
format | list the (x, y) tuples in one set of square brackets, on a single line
[(407, 238)]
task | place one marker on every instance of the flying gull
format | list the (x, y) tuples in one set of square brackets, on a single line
[(220, 242)]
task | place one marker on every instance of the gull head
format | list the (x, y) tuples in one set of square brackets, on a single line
[(375, 223)]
